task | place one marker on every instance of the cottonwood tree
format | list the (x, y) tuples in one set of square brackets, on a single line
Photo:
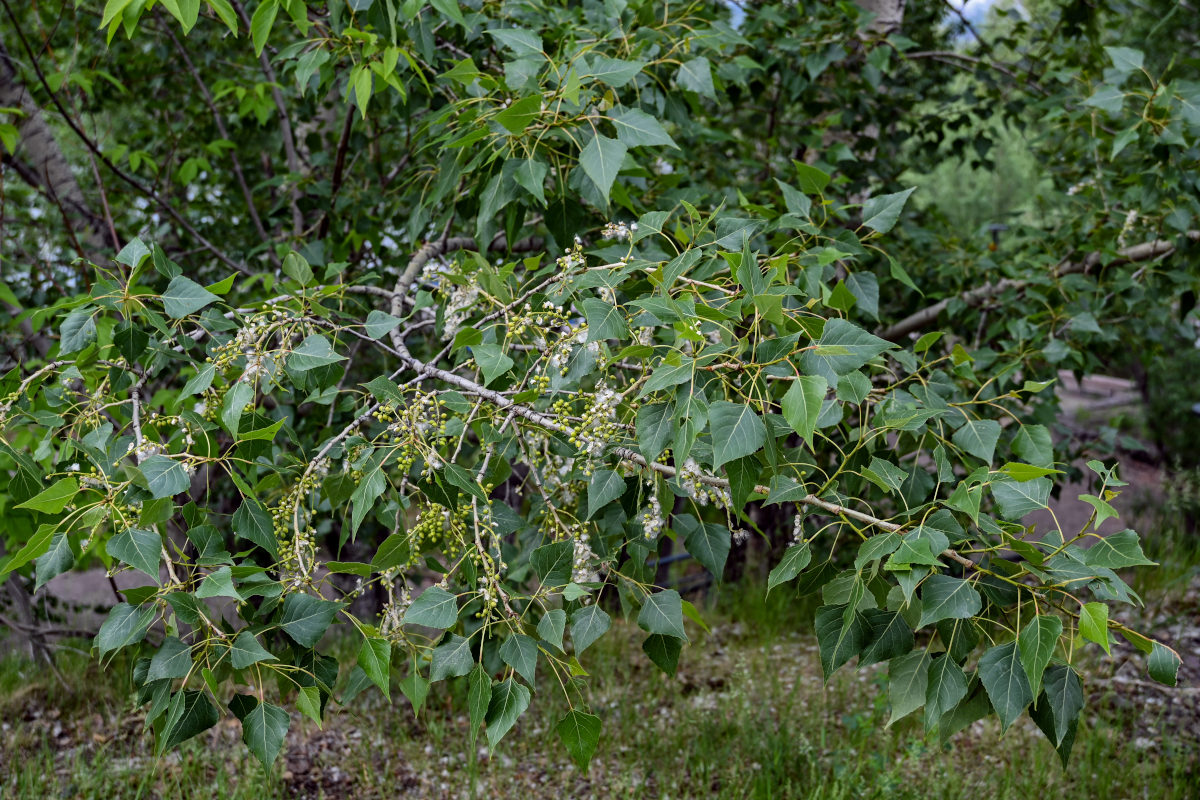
[(474, 306)]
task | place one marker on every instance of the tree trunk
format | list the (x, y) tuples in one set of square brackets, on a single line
[(889, 14), (40, 162)]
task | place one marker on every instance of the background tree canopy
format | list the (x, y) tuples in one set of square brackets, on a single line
[(469, 307)]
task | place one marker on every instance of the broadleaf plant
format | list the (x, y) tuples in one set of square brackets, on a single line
[(511, 306)]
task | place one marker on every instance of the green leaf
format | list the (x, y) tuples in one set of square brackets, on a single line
[(1033, 444), (839, 640), (604, 321), (736, 431), (375, 658), (551, 627), (796, 202), (35, 546), (265, 433), (888, 636), (314, 351), (601, 160), (433, 608), (113, 9), (125, 625), (57, 559), (1037, 642), (795, 558), (173, 659), (1005, 681), (492, 360), (655, 429), (709, 543), (517, 116), (520, 652), (663, 651), (416, 689), (944, 597), (946, 688), (360, 80), (130, 341), (184, 296), (449, 9), (306, 618), (519, 40), (260, 24), (662, 613), (1093, 624), (979, 438), (264, 726), (165, 477), (253, 523), (880, 213), (54, 499), (604, 487), (451, 659), (908, 682), (590, 623), (553, 563), (876, 547), (1026, 472), (802, 404), (1016, 499), (580, 734), (239, 396), (508, 701), (308, 702), (1163, 665), (1117, 551), (296, 266), (459, 477), (696, 76), (842, 348), (530, 175), (614, 71), (479, 696), (138, 548), (667, 375), (190, 713), (636, 128), (218, 583), (812, 180), (1107, 98), (1064, 694), (392, 552), (246, 650), (379, 324), (886, 475), (1125, 59), (224, 10)]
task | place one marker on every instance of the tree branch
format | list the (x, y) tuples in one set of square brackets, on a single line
[(916, 321)]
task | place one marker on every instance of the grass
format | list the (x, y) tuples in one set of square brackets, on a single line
[(747, 716)]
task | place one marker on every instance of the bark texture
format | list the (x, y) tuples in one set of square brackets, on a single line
[(40, 162), (889, 14)]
